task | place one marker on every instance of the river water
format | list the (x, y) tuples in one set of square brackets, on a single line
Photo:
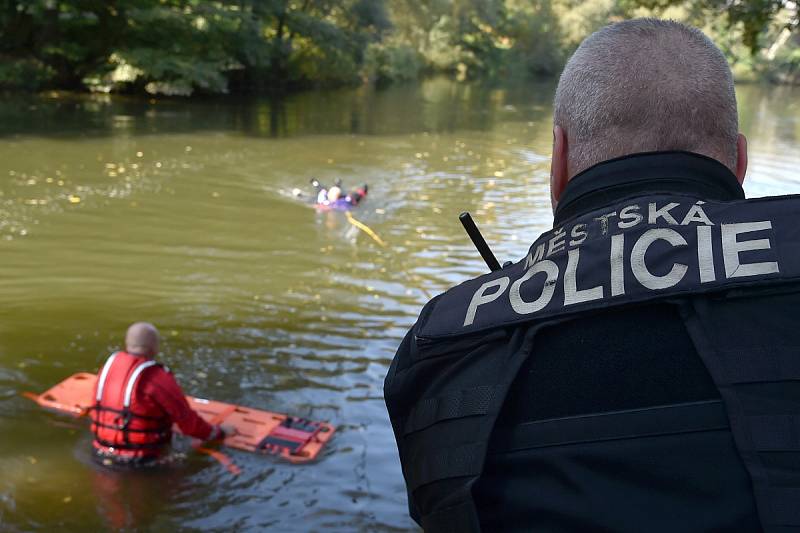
[(182, 213)]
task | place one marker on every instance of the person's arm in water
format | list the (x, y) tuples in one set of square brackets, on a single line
[(322, 191), (164, 390)]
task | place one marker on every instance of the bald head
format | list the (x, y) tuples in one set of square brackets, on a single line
[(646, 85), (142, 339)]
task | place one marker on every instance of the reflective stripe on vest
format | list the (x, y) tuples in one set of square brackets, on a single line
[(126, 403), (131, 383), (101, 383), (114, 423)]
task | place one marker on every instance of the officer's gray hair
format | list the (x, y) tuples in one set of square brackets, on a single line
[(646, 85)]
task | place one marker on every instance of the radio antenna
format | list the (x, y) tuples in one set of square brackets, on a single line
[(478, 240)]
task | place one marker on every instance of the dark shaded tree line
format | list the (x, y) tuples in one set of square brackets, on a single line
[(181, 47)]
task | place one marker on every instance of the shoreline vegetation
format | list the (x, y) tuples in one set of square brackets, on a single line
[(250, 47)]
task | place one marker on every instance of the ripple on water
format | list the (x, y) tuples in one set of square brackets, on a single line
[(261, 300)]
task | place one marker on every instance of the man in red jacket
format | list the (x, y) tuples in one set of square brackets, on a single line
[(136, 402)]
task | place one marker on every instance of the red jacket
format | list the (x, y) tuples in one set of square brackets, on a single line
[(137, 401)]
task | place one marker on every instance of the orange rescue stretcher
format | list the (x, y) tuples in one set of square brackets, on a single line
[(296, 440)]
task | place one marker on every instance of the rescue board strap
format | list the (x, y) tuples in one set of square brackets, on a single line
[(221, 458), (366, 229)]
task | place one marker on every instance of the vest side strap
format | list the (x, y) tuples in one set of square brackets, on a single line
[(785, 505), (463, 461), (634, 423), (460, 404), (778, 505), (775, 433), (461, 518), (758, 364)]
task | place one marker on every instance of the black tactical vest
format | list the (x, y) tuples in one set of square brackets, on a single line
[(732, 267)]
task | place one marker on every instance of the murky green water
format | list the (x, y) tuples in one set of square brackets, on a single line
[(119, 210)]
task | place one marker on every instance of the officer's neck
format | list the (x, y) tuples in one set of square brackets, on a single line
[(643, 174)]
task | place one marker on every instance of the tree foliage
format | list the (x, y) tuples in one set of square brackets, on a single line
[(754, 17), (182, 47), (760, 37)]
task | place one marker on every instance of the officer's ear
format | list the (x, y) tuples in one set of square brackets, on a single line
[(741, 157), (559, 175)]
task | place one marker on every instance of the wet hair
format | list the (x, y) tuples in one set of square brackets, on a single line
[(646, 85)]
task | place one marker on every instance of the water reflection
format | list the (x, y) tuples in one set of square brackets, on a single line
[(436, 106), (126, 500)]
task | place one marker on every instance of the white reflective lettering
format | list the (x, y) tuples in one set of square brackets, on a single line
[(573, 295), (629, 216), (696, 213), (705, 254), (603, 219), (731, 248), (548, 287), (538, 254), (663, 213), (578, 234), (556, 243), (640, 271), (617, 264), (528, 260), (480, 297)]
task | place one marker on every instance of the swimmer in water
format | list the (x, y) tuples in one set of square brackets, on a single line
[(333, 195)]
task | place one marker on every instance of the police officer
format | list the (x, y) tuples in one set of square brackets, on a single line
[(639, 370)]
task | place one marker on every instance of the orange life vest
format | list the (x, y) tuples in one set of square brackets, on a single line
[(118, 422)]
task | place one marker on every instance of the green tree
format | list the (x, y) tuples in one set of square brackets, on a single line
[(182, 47), (754, 16)]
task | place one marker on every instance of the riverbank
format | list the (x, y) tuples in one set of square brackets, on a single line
[(200, 48)]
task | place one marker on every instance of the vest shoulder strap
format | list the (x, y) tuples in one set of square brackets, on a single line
[(750, 347), (126, 403), (130, 383), (101, 381)]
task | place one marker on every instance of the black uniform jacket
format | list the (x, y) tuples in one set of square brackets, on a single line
[(639, 370)]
